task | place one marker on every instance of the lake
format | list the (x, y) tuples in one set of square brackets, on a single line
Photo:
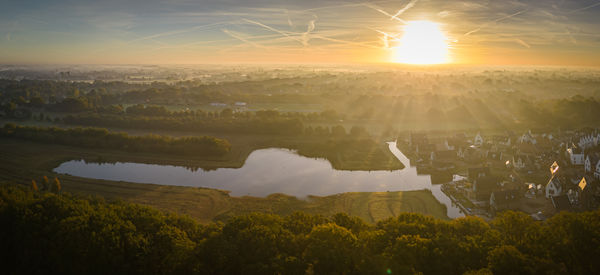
[(268, 171)]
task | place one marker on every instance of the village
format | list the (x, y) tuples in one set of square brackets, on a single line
[(538, 173)]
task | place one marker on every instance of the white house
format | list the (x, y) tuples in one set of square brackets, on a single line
[(521, 161), (448, 145), (575, 155), (478, 140), (505, 142), (553, 188), (586, 141), (527, 138), (591, 161)]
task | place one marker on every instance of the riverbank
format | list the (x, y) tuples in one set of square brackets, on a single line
[(22, 162)]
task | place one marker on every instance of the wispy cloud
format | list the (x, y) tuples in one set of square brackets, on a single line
[(586, 7), (179, 31), (402, 10), (522, 43), (493, 22), (380, 10), (274, 30), (239, 37), (310, 28)]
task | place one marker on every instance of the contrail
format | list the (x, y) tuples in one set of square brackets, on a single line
[(243, 39), (386, 37), (585, 8), (495, 21), (289, 20), (401, 11), (522, 43), (344, 5), (345, 42), (392, 17), (311, 27), (273, 29), (175, 32)]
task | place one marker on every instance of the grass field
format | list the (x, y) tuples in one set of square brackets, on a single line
[(21, 162)]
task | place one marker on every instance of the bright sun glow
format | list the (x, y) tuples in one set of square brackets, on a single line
[(422, 43)]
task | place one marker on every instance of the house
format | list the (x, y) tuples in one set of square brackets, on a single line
[(575, 155), (501, 140), (527, 138), (494, 154), (597, 171), (442, 166), (449, 144), (443, 155), (502, 200), (415, 139), (527, 149), (469, 154), (240, 104), (521, 162), (587, 141), (483, 187), (585, 193), (425, 150), (561, 203), (478, 172), (478, 140), (554, 187), (461, 152), (591, 161)]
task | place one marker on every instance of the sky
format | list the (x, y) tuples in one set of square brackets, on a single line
[(493, 32)]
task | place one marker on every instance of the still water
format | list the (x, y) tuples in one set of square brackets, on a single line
[(268, 171)]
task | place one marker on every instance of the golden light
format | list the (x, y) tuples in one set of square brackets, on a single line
[(421, 43)]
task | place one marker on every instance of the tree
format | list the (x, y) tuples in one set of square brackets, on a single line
[(45, 184), (34, 186), (331, 249), (507, 259), (37, 102), (226, 113), (338, 131), (57, 186)]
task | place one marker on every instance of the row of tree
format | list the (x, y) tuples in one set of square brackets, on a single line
[(246, 126), (49, 233), (103, 139)]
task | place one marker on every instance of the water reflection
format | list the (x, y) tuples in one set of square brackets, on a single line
[(268, 171)]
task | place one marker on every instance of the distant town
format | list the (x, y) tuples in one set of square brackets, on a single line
[(538, 173)]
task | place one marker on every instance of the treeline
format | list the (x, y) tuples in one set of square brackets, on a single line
[(103, 139), (48, 233), (247, 126)]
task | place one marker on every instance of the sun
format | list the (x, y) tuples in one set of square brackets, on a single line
[(422, 42)]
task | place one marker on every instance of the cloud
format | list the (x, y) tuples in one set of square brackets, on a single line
[(522, 43), (310, 28), (493, 22), (239, 37), (585, 8), (401, 11), (392, 17), (274, 30)]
